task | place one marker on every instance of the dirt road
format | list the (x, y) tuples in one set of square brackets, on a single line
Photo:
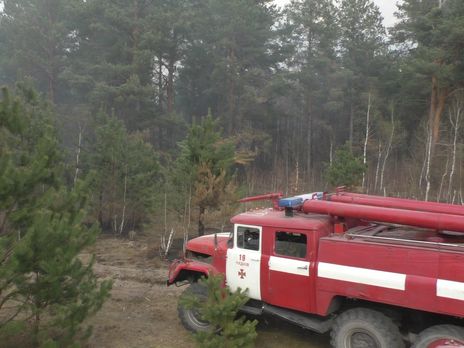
[(142, 311)]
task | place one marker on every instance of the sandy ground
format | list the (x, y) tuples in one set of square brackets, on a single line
[(142, 311)]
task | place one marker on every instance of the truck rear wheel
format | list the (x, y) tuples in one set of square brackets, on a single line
[(190, 317), (440, 336), (365, 328)]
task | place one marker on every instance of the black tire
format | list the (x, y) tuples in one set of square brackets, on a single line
[(191, 318), (365, 328), (435, 335)]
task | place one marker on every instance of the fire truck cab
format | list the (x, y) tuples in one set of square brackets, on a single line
[(370, 284), (273, 256)]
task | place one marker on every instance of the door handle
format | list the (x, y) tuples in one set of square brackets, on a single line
[(303, 267)]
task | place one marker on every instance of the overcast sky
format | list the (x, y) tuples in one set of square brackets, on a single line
[(387, 7)]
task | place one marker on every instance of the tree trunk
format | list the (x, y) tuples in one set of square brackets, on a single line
[(78, 152), (123, 216), (287, 156), (390, 142), (160, 83), (135, 31), (50, 67), (100, 208), (331, 151), (231, 91), (297, 177), (351, 124), (51, 87), (455, 119), (201, 226), (111, 193), (428, 161), (36, 325), (366, 139), (170, 83), (437, 104), (377, 169), (309, 138), (443, 177)]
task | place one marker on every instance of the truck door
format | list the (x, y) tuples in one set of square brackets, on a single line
[(289, 271), (244, 260)]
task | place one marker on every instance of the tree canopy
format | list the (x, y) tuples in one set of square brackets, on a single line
[(287, 86)]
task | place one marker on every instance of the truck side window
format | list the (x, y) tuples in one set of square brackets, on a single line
[(290, 244), (248, 238)]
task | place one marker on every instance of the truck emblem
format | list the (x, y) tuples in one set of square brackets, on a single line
[(242, 274)]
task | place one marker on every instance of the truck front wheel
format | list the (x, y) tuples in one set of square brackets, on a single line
[(440, 336), (191, 317), (365, 328)]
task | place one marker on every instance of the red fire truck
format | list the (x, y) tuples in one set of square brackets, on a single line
[(374, 271)]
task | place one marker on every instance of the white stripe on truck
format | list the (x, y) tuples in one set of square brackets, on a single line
[(366, 276), (284, 265), (450, 289)]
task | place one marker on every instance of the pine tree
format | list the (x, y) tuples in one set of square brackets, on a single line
[(126, 175), (314, 32), (361, 44), (42, 230), (204, 167), (228, 61), (112, 69), (346, 169), (220, 309), (36, 38), (431, 33)]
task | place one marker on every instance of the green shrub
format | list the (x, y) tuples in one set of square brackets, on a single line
[(220, 309)]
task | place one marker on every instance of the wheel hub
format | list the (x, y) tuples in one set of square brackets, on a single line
[(362, 339), (196, 318)]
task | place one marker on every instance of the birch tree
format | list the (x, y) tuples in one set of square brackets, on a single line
[(366, 139), (387, 150), (455, 117)]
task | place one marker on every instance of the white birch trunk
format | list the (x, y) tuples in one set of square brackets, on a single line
[(455, 122), (165, 213), (297, 177), (166, 243), (422, 174), (331, 152), (187, 228), (377, 169), (390, 141), (368, 115), (428, 161), (442, 181), (123, 217), (78, 153)]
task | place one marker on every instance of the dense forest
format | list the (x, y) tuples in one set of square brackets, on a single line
[(189, 104)]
